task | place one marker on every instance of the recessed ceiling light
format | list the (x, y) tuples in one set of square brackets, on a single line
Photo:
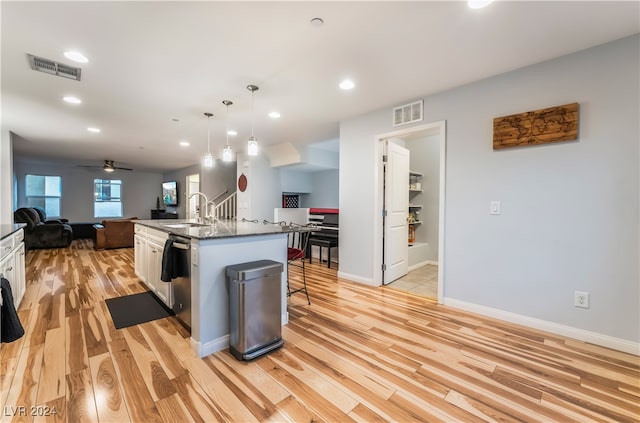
[(479, 4), (72, 100), (76, 56), (317, 22), (274, 115), (95, 130), (347, 84), (232, 133), (184, 144)]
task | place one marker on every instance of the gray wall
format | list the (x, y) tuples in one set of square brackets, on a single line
[(6, 178), (570, 210), (139, 189), (425, 159), (212, 181), (324, 189)]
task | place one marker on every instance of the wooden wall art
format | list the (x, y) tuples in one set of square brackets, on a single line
[(542, 126)]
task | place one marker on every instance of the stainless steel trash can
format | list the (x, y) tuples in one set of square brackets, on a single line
[(255, 304)]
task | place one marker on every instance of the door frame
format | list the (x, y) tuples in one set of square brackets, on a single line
[(438, 128)]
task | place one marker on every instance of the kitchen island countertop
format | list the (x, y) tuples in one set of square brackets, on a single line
[(222, 229)]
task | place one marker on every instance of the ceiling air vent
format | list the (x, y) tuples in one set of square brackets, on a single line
[(408, 113), (53, 68)]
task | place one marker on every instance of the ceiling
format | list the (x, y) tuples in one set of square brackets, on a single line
[(153, 62)]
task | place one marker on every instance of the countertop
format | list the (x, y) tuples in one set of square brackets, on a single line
[(222, 229), (7, 229)]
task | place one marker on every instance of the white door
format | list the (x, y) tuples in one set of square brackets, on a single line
[(395, 256)]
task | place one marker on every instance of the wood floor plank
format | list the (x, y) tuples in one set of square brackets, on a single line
[(94, 337), (137, 397), (24, 387), (52, 376), (81, 404), (295, 411), (155, 378), (172, 409), (52, 412), (313, 399), (357, 353), (110, 404), (169, 361), (201, 408), (76, 347), (231, 407)]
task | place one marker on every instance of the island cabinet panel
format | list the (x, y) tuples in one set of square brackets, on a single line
[(213, 248), (149, 246)]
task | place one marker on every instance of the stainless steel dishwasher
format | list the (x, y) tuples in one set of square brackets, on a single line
[(182, 284)]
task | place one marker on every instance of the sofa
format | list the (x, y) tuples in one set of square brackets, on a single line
[(40, 232), (115, 233)]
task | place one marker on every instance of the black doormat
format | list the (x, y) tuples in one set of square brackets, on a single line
[(136, 309)]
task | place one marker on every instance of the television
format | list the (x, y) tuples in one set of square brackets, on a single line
[(170, 193)]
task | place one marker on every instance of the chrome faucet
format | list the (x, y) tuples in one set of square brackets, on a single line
[(208, 218)]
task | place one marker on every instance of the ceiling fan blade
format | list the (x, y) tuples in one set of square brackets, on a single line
[(122, 168)]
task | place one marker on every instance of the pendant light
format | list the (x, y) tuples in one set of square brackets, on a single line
[(252, 144), (227, 154), (208, 158)]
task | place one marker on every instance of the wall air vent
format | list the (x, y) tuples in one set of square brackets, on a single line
[(53, 68), (408, 113)]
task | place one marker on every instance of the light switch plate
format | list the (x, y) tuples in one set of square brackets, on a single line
[(495, 207)]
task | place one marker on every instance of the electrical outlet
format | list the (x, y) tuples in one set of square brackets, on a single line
[(581, 299)]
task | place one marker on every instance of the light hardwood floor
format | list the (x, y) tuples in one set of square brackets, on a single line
[(356, 354)]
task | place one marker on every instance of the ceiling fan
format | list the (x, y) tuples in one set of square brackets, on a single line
[(108, 166)]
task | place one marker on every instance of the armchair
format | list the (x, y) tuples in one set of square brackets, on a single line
[(115, 233), (43, 216), (38, 234)]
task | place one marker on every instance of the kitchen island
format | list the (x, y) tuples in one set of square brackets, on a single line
[(213, 248)]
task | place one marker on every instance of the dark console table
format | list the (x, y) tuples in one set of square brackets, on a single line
[(162, 214)]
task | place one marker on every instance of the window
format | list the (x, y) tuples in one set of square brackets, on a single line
[(44, 191), (108, 200)]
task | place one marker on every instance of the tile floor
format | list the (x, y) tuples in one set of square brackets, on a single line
[(422, 281)]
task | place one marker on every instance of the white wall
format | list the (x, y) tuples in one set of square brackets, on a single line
[(139, 189), (6, 178), (570, 211), (263, 193)]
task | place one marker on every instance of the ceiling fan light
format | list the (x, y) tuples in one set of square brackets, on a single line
[(208, 160)]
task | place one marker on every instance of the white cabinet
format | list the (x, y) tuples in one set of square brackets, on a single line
[(140, 257), (148, 249), (12, 261)]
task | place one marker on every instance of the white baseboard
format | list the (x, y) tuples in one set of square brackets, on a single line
[(435, 263), (221, 343), (210, 347), (532, 322), (355, 278)]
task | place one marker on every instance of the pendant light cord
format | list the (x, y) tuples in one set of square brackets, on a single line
[(252, 117)]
